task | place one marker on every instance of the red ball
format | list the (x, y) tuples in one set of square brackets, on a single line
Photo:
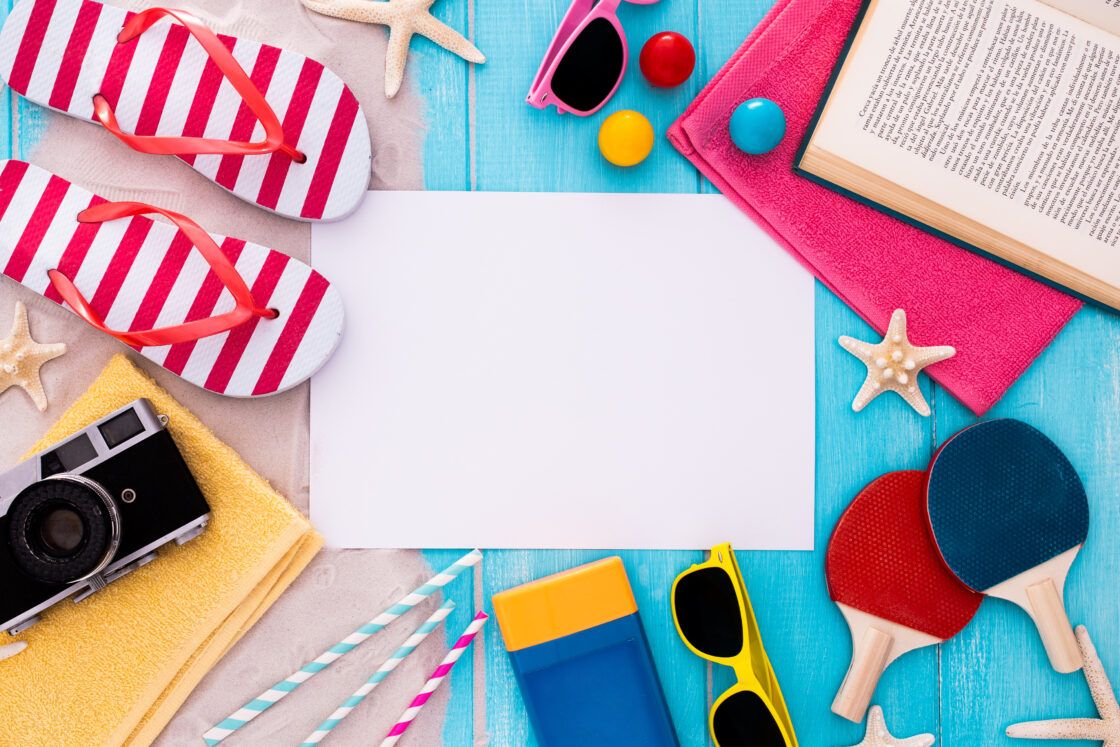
[(667, 59)]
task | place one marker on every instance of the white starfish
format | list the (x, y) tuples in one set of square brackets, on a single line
[(21, 358), (894, 365), (404, 18), (878, 736), (1105, 729)]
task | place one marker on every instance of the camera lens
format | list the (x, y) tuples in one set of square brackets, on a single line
[(63, 529)]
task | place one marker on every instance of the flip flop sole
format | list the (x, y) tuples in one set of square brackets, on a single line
[(61, 53), (142, 274)]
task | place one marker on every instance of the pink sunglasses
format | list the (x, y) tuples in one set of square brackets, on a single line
[(585, 62)]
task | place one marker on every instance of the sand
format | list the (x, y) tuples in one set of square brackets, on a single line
[(342, 588)]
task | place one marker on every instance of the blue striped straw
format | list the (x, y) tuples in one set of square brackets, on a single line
[(390, 664), (280, 690)]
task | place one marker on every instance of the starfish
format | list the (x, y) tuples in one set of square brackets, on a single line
[(878, 736), (1105, 729), (21, 358), (404, 18), (894, 364)]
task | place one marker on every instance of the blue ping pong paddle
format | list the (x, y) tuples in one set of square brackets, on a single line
[(1009, 514)]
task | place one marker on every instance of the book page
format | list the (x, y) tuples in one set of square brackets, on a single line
[(1004, 111), (1104, 14)]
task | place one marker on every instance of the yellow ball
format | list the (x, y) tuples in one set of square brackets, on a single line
[(625, 138)]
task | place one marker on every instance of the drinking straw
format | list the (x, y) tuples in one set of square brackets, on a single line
[(280, 690), (383, 671), (434, 681)]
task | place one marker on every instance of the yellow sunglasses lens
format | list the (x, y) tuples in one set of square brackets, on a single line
[(707, 612), (744, 719)]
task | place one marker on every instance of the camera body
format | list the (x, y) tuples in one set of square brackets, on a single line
[(90, 509)]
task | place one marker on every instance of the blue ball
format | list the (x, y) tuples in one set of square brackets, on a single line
[(757, 126)]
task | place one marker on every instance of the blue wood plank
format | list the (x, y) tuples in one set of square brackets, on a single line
[(520, 148), (30, 120), (458, 727), (996, 672), (966, 691), (23, 122), (558, 153), (444, 80), (7, 96), (805, 634)]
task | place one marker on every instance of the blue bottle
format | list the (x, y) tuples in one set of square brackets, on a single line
[(582, 660)]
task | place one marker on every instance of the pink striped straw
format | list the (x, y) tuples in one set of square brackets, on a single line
[(434, 681)]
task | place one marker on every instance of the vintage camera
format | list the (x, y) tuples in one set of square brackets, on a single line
[(91, 509)]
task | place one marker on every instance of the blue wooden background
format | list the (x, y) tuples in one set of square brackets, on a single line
[(482, 136)]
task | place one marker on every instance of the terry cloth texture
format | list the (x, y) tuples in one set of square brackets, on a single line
[(998, 319), (113, 669)]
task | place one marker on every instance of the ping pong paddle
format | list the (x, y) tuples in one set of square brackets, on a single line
[(888, 580), (1008, 514)]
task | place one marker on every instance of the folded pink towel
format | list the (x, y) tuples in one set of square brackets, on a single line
[(999, 320)]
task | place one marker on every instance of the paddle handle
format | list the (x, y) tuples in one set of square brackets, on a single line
[(1049, 612), (870, 656)]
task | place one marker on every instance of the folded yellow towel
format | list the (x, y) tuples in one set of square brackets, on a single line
[(114, 668)]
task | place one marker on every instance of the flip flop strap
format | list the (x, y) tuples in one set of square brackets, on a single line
[(234, 73), (245, 307)]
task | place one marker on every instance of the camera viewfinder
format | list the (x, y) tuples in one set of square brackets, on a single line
[(121, 428), (71, 455)]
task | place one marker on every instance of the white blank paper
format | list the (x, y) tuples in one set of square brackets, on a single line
[(563, 371)]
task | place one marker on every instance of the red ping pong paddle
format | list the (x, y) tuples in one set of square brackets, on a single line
[(887, 577)]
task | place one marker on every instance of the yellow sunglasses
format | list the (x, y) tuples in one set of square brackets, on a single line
[(714, 618)]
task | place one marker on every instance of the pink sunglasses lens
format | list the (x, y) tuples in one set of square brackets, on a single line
[(591, 67)]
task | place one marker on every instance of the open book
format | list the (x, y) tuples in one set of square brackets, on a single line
[(993, 122)]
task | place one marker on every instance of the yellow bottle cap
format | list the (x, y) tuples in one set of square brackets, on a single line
[(564, 603)]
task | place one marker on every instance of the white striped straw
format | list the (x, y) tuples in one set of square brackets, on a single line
[(280, 690), (435, 680), (383, 671)]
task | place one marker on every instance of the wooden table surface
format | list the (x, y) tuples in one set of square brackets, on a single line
[(481, 135)]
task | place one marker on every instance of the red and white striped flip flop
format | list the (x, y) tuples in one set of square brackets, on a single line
[(288, 135), (232, 317)]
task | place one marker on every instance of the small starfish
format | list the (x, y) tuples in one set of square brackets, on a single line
[(894, 364), (878, 736), (404, 18), (1105, 729), (21, 358)]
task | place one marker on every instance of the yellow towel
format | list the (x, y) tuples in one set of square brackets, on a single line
[(115, 667)]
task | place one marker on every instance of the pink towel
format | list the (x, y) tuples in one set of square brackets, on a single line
[(999, 320)]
